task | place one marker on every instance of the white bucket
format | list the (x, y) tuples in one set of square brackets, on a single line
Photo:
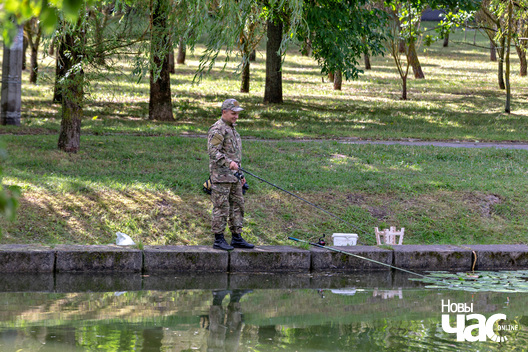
[(345, 239)]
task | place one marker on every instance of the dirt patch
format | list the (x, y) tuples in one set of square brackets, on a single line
[(380, 213), (483, 203), (356, 199)]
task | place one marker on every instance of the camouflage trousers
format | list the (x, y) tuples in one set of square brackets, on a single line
[(228, 203)]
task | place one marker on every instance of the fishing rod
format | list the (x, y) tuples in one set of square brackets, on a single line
[(337, 217), (357, 256), (304, 200)]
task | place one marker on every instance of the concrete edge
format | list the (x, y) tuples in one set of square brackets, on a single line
[(203, 259)]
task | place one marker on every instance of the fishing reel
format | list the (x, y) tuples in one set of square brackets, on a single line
[(240, 175), (321, 241), (208, 185)]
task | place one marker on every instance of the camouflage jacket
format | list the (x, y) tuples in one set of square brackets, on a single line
[(224, 145)]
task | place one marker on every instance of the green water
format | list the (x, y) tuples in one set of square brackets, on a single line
[(349, 314)]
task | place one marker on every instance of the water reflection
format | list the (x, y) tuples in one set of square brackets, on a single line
[(225, 325), (339, 313)]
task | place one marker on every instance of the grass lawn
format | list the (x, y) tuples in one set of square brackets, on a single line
[(144, 178)]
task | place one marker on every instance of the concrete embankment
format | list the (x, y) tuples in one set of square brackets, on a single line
[(153, 259)]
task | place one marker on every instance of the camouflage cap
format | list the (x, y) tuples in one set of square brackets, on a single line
[(231, 104)]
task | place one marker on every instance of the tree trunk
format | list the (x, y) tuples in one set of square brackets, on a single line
[(446, 40), (72, 88), (60, 71), (33, 74), (181, 52), (366, 55), (331, 76), (34, 34), (51, 50), (338, 80), (98, 37), (160, 104), (493, 52), (404, 88), (401, 47), (307, 48), (244, 87), (507, 107), (273, 87), (522, 59), (25, 45), (415, 63), (501, 63), (172, 65), (11, 97)]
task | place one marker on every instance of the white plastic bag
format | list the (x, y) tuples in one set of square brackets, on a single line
[(124, 240)]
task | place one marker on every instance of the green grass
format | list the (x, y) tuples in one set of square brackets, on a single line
[(144, 177), (150, 188)]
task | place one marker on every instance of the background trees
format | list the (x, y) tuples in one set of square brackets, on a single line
[(335, 32), (504, 22)]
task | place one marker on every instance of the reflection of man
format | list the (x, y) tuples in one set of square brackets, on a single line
[(225, 328)]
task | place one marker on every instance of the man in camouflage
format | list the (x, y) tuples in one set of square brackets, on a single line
[(225, 153)]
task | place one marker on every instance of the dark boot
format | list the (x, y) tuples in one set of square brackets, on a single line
[(236, 295), (238, 242), (218, 297), (220, 243)]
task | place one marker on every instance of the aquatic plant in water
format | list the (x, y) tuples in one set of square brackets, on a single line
[(478, 281)]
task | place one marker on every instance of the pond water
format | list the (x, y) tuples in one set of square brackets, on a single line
[(373, 312)]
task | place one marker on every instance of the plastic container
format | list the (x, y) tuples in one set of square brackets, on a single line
[(124, 240), (345, 239)]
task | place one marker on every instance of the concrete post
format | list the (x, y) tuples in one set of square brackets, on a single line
[(12, 81)]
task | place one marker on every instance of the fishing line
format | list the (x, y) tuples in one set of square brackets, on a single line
[(337, 217), (304, 200), (358, 256)]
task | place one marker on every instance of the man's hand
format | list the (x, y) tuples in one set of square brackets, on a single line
[(233, 166)]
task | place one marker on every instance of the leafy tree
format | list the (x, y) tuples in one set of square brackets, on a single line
[(393, 44), (34, 34), (250, 37), (339, 31), (407, 14), (410, 17), (19, 11), (487, 19)]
